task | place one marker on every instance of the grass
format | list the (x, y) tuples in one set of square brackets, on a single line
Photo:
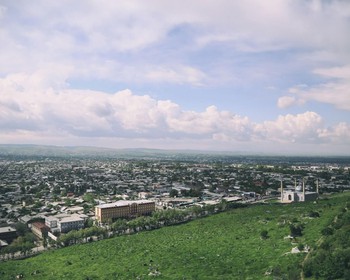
[(223, 246)]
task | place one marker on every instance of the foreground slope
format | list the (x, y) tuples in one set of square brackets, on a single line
[(229, 245)]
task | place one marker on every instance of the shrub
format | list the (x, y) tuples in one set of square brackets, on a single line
[(264, 234), (314, 214), (327, 231), (296, 230)]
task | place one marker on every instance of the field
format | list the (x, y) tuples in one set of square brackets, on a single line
[(228, 245)]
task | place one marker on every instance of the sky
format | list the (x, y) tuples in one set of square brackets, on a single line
[(249, 76)]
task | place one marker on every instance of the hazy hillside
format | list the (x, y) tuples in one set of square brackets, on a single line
[(158, 154)]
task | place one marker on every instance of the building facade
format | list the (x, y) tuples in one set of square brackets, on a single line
[(123, 209), (298, 194), (69, 223), (40, 229), (288, 196)]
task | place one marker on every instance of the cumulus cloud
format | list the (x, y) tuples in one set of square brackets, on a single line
[(44, 112), (53, 52), (293, 128), (122, 114)]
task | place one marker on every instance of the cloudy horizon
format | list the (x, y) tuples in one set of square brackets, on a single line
[(241, 76)]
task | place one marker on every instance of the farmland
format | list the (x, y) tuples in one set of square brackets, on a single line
[(228, 245)]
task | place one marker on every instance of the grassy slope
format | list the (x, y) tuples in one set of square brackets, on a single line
[(223, 246)]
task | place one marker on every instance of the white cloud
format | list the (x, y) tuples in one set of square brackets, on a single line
[(49, 49), (177, 75), (44, 114), (335, 72), (339, 134), (98, 34), (286, 101), (302, 128), (336, 92)]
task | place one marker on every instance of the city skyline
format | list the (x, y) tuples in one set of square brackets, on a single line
[(252, 76)]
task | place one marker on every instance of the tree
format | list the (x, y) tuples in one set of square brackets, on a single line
[(21, 228), (88, 223), (327, 231), (174, 193)]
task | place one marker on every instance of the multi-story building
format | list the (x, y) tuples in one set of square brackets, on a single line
[(64, 223), (123, 209), (51, 222), (69, 223)]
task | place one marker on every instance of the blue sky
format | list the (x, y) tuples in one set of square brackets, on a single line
[(244, 76)]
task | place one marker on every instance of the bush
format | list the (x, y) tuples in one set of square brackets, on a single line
[(264, 234), (327, 231), (296, 230), (314, 214)]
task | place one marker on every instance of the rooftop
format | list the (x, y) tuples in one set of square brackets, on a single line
[(6, 229), (123, 203)]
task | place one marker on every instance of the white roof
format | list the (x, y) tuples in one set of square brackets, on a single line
[(123, 203), (70, 219), (50, 218), (6, 229)]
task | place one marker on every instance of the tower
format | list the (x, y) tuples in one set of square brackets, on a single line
[(281, 190)]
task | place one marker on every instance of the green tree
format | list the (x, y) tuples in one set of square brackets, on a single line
[(174, 193), (21, 229)]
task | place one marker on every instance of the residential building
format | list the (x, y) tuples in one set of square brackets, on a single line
[(123, 209)]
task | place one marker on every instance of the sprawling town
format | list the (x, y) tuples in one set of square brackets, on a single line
[(45, 199)]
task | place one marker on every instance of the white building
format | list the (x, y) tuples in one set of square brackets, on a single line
[(298, 194), (65, 223)]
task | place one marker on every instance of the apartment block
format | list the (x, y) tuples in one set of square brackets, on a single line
[(123, 209)]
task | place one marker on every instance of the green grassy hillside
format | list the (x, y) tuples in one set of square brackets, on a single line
[(229, 245)]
